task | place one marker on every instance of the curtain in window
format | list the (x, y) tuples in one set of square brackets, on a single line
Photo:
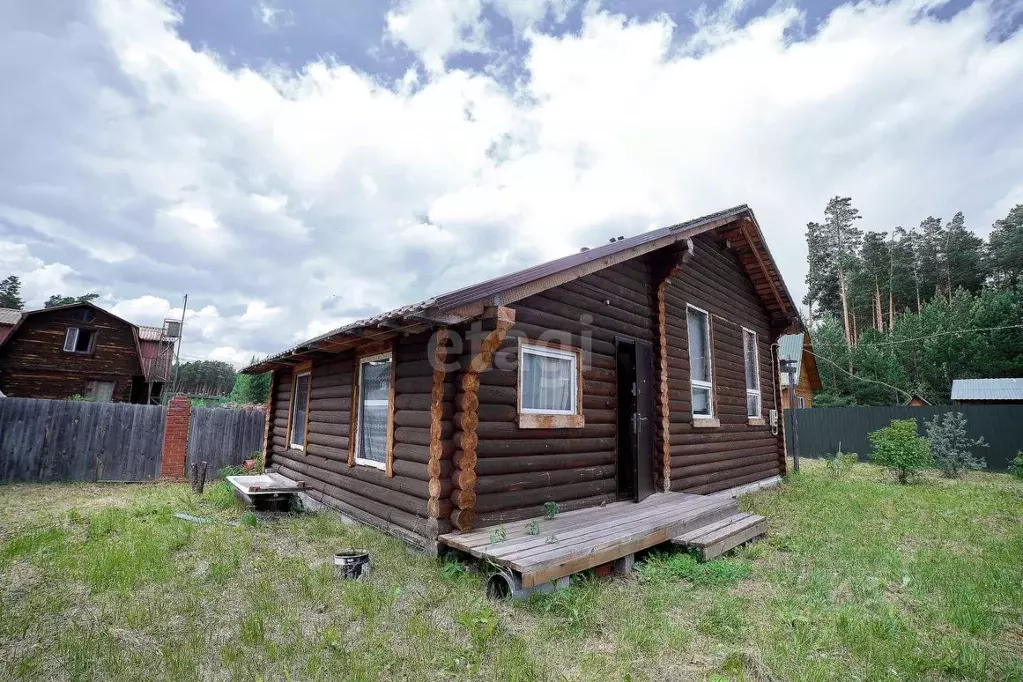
[(374, 399), (752, 378), (547, 382), (299, 412), (699, 346)]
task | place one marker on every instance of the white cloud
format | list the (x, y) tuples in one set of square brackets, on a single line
[(287, 204), (272, 16)]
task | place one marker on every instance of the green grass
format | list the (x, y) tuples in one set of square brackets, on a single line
[(858, 579)]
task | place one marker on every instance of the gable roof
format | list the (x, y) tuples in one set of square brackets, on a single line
[(987, 389), (737, 225)]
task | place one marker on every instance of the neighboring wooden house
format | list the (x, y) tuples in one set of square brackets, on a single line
[(797, 347), (987, 391), (81, 349), (916, 400), (640, 366)]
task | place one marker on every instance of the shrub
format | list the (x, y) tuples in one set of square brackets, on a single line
[(951, 448), (898, 448), (841, 462), (1016, 465)]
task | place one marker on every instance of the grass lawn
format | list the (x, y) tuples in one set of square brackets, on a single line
[(859, 579)]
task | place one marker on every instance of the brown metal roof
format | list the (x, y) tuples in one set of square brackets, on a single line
[(467, 302)]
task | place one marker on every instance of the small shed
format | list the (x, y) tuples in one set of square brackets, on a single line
[(988, 391)]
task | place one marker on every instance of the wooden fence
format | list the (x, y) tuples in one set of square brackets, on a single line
[(224, 437), (823, 430), (56, 440)]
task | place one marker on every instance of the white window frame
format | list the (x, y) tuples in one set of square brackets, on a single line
[(294, 400), (549, 352), (70, 339), (358, 410), (756, 358), (708, 385), (801, 401)]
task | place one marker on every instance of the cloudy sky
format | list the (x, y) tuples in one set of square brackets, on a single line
[(296, 164)]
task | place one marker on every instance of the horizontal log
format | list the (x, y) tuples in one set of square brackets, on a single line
[(331, 392), (331, 405), (327, 451), (503, 483), (332, 428), (506, 448), (727, 483), (511, 430), (722, 442), (725, 474), (689, 471), (339, 442), (368, 511), (414, 385), (489, 466), (528, 498), (407, 494), (414, 368), (421, 453)]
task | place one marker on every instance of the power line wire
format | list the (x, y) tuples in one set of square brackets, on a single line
[(854, 376), (931, 336)]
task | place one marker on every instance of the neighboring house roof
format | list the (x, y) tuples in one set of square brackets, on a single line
[(918, 398), (790, 347), (147, 333), (9, 316), (987, 389), (468, 302)]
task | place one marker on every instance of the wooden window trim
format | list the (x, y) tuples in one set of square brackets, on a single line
[(758, 391), (369, 355), (291, 412), (543, 419), (703, 420)]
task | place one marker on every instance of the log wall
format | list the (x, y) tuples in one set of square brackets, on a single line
[(518, 470), (705, 460), (398, 503)]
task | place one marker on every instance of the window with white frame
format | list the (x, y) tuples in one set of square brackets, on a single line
[(700, 375), (299, 410), (752, 355), (372, 420), (548, 380), (802, 402), (78, 340)]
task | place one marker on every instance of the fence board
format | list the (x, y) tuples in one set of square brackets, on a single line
[(56, 440), (223, 437), (823, 430)]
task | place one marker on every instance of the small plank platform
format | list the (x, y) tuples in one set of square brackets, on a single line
[(577, 540), (716, 538)]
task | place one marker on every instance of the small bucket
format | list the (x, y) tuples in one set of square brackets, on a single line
[(352, 564)]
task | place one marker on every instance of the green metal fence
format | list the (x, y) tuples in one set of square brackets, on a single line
[(823, 430)]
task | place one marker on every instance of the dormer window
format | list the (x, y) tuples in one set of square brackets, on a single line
[(78, 340)]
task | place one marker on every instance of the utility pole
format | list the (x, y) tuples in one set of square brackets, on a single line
[(177, 355), (789, 367)]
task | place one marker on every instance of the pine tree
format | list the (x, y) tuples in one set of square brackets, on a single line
[(963, 257), (59, 299), (844, 241), (10, 293), (1005, 248), (928, 246), (822, 290)]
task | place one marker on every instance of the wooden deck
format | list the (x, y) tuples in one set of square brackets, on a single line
[(577, 540)]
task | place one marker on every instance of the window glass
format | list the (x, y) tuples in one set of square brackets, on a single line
[(699, 345), (300, 406), (751, 353), (70, 339), (548, 380), (699, 363), (374, 410)]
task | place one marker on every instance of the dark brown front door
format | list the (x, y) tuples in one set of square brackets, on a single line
[(635, 370)]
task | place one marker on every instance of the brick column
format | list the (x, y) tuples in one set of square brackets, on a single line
[(175, 437)]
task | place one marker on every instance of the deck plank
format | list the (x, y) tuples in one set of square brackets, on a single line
[(693, 537)]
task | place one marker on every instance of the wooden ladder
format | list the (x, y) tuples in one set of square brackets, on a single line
[(716, 538)]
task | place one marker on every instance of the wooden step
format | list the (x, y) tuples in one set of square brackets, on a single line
[(716, 538)]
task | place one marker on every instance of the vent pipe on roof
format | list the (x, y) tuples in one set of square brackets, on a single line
[(584, 249)]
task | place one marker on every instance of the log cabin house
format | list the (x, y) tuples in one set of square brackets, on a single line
[(641, 368), (82, 349)]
